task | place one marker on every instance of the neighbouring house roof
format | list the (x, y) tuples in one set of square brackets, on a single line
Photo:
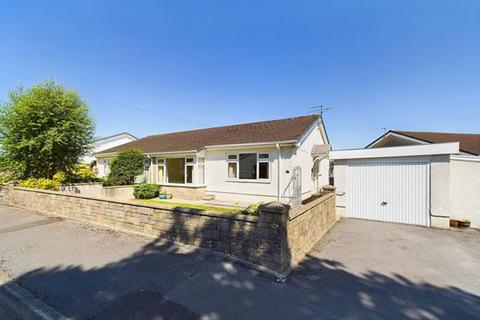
[(469, 142), (282, 130), (115, 136)]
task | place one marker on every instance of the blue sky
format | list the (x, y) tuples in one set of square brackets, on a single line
[(157, 66)]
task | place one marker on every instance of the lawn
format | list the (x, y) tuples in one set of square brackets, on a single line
[(192, 206)]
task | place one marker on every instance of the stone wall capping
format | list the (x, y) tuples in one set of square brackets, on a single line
[(297, 212), (328, 188), (275, 207)]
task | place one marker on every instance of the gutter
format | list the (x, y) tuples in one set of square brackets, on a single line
[(247, 145), (147, 153)]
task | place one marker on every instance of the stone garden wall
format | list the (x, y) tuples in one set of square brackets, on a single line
[(275, 240)]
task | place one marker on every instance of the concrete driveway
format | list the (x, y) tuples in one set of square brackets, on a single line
[(360, 270)]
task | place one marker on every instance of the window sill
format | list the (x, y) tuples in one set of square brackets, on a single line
[(261, 181)]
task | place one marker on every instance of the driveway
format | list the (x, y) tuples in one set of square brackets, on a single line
[(360, 270)]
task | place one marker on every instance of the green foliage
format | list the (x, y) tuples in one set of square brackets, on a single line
[(81, 173), (125, 167), (41, 183), (44, 130), (253, 209), (146, 191)]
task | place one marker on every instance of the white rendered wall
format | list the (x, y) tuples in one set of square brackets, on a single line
[(465, 190), (304, 159), (106, 144)]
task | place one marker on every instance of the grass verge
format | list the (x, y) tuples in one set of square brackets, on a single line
[(191, 206)]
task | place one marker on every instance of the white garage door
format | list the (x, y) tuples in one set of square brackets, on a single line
[(394, 191)]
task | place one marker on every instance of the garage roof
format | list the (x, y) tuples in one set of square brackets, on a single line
[(390, 152)]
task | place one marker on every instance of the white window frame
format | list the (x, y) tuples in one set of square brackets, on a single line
[(259, 160), (189, 164), (236, 161), (164, 165), (263, 160), (106, 167)]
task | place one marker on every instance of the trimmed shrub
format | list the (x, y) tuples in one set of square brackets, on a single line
[(146, 191), (125, 167), (41, 183)]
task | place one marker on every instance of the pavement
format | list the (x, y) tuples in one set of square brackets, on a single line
[(359, 270)]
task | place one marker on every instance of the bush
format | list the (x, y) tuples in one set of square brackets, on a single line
[(146, 191), (41, 183), (82, 173), (125, 167), (253, 209)]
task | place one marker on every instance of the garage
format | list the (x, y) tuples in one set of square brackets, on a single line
[(393, 191), (407, 184)]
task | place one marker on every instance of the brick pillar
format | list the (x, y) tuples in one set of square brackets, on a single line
[(274, 217), (328, 189)]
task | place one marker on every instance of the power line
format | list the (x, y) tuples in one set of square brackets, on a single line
[(123, 105)]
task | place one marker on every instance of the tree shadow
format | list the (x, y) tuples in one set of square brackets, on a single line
[(166, 281)]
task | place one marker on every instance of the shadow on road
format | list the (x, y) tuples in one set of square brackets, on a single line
[(206, 287)]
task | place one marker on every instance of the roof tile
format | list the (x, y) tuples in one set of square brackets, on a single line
[(256, 132)]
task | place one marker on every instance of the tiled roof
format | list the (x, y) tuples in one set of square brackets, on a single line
[(256, 132), (469, 142)]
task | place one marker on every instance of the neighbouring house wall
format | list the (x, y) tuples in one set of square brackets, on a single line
[(106, 144), (465, 190), (272, 240), (439, 186), (440, 191), (100, 170), (304, 159)]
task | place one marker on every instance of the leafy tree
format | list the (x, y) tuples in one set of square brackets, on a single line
[(43, 130), (125, 167)]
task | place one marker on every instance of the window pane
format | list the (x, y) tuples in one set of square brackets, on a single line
[(161, 161), (263, 156), (263, 170), (161, 173), (189, 159), (232, 170), (189, 174), (176, 170), (248, 166), (232, 157)]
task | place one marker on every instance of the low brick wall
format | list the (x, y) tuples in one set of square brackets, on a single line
[(273, 240), (185, 192), (308, 223), (126, 192)]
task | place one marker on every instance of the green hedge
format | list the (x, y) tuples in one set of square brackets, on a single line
[(146, 191)]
